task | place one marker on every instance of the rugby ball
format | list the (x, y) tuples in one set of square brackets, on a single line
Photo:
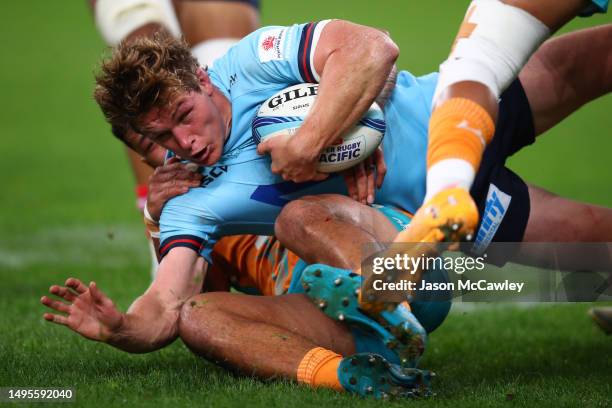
[(284, 112)]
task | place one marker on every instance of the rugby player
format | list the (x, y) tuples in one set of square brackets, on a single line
[(253, 264), (552, 75), (210, 27), (257, 196), (205, 117), (197, 124), (495, 41)]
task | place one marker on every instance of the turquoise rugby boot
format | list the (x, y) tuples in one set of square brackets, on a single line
[(370, 375), (336, 292)]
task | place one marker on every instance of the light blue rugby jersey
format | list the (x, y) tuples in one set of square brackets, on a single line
[(240, 194)]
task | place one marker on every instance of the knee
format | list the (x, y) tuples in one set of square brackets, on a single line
[(197, 318), (305, 209)]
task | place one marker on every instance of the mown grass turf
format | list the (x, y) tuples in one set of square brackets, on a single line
[(66, 209)]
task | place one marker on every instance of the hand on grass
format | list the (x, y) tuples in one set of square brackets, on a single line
[(88, 312)]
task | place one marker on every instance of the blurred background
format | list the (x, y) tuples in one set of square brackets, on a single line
[(67, 209)]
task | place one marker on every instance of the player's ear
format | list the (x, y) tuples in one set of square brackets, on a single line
[(204, 80)]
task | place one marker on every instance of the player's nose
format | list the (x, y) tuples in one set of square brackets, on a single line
[(183, 137)]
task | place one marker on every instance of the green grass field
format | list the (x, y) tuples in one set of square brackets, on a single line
[(67, 209)]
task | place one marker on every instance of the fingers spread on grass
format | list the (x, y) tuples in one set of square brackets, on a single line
[(63, 292), (95, 293), (76, 285), (98, 296), (53, 318), (55, 304)]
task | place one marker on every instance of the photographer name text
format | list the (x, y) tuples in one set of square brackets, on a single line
[(462, 285)]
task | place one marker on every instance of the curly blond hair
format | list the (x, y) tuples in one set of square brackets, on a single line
[(142, 74)]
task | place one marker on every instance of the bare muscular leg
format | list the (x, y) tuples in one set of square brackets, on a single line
[(566, 72), (555, 14), (572, 221), (207, 20), (332, 229), (256, 335), (557, 219)]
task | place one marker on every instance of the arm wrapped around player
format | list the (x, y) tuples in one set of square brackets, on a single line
[(344, 94)]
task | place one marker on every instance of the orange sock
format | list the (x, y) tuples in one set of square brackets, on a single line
[(319, 368), (459, 129)]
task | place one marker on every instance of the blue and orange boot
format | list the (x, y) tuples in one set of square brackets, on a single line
[(336, 292), (371, 375), (449, 217)]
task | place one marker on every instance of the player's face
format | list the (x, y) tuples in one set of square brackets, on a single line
[(191, 126)]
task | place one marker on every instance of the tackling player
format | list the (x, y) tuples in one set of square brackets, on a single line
[(260, 264), (557, 81), (495, 41), (210, 27), (205, 117)]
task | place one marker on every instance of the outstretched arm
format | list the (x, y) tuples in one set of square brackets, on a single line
[(151, 321)]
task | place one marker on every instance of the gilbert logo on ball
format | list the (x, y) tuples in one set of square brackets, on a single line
[(285, 111)]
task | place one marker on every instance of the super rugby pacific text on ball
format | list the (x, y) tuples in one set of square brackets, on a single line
[(285, 112)]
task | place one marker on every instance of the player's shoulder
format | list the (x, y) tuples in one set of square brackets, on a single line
[(194, 207), (242, 68), (268, 44)]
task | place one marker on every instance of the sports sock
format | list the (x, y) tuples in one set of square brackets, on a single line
[(319, 368), (459, 131)]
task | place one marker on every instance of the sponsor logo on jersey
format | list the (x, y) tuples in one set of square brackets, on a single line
[(213, 174), (268, 43), (271, 44), (495, 209)]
